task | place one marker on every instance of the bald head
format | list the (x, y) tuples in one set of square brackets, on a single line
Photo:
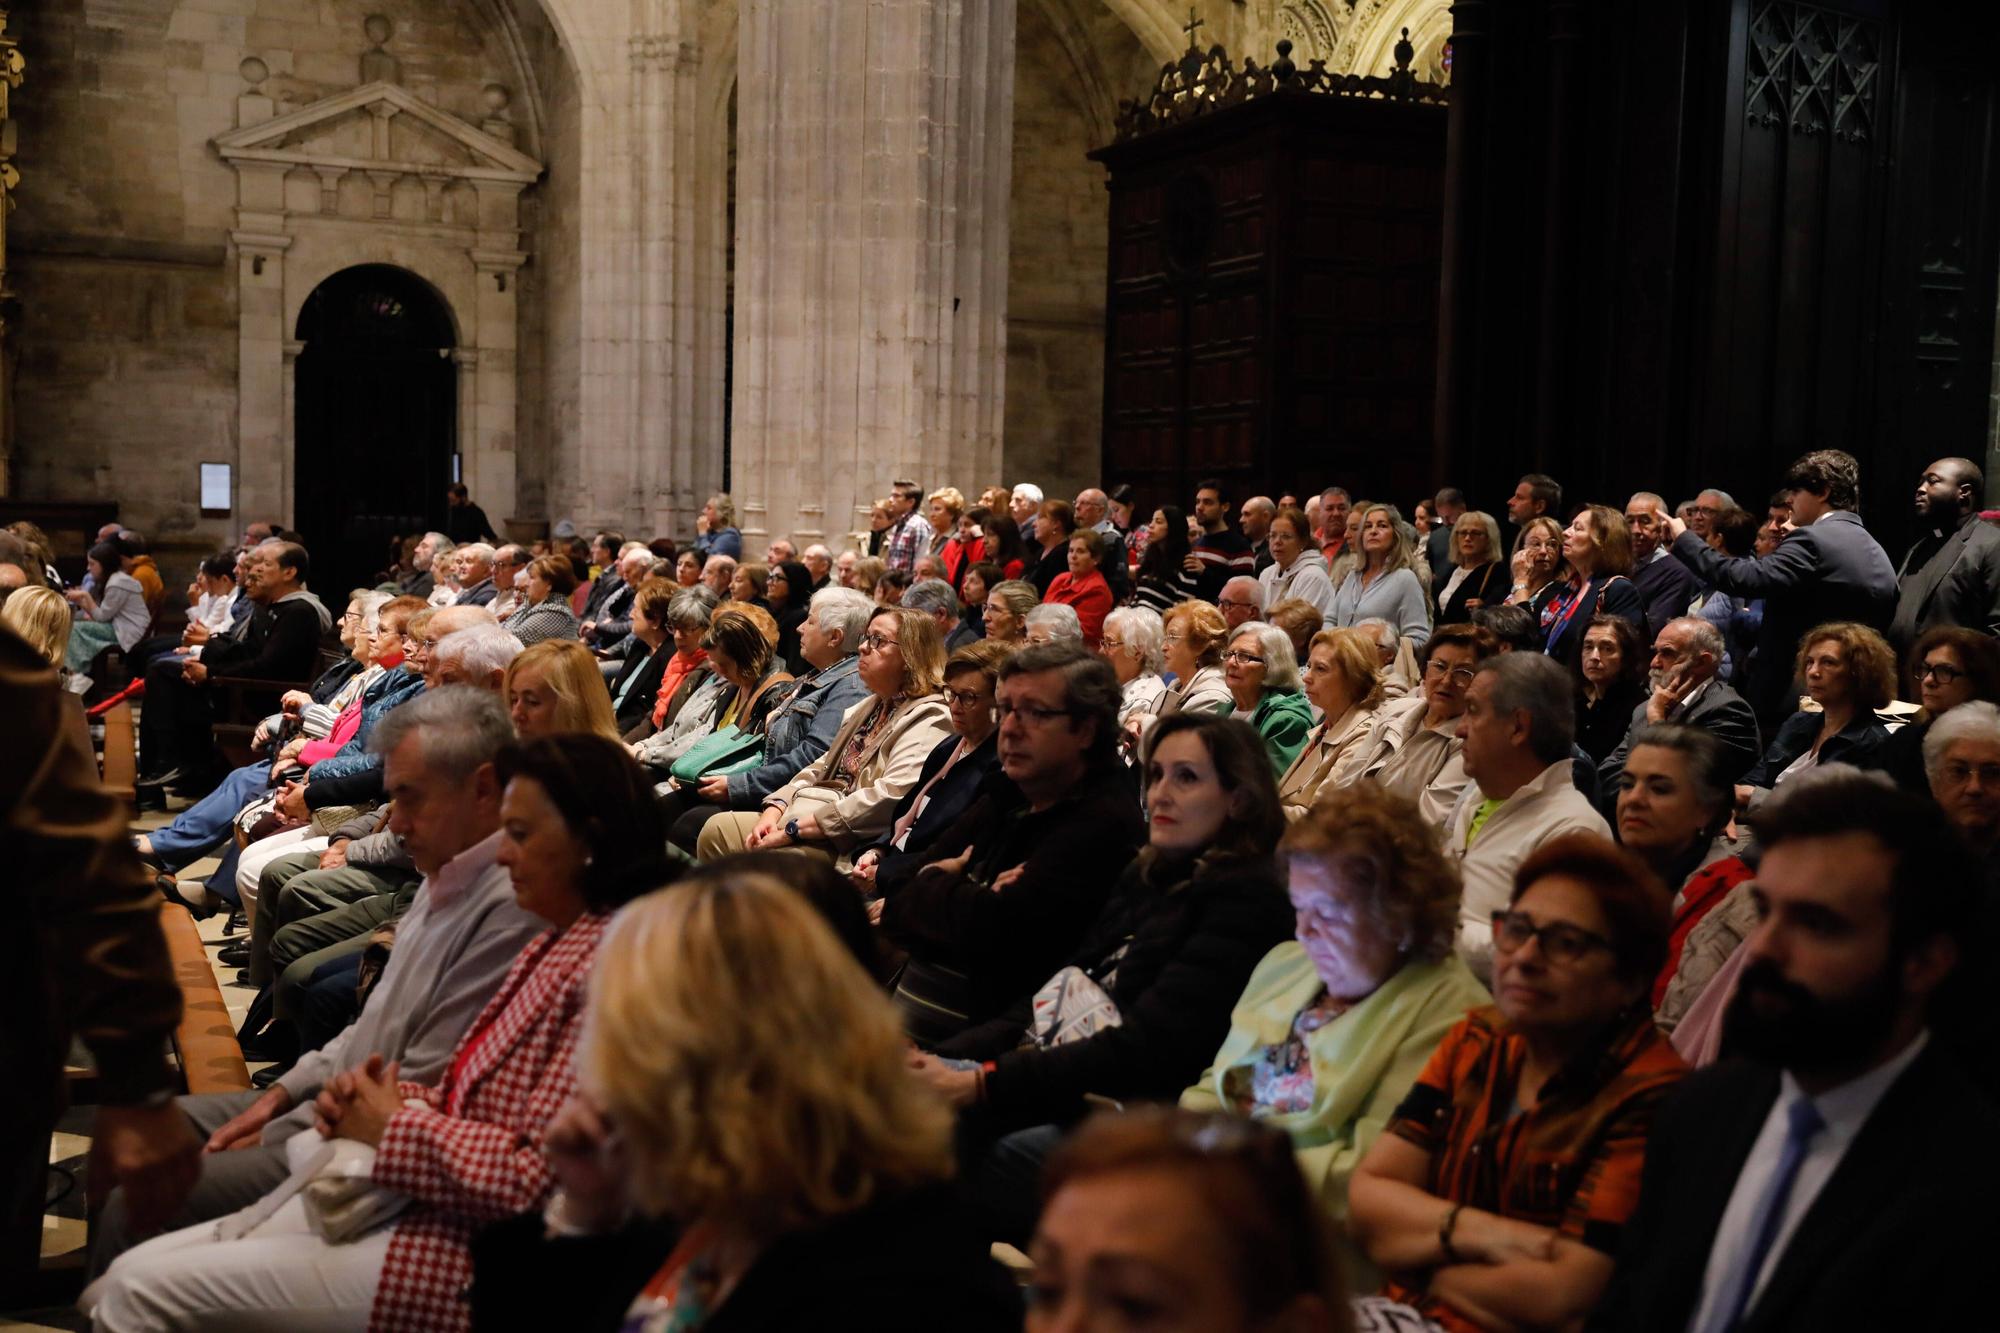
[(1241, 601), (1950, 489), (1255, 517)]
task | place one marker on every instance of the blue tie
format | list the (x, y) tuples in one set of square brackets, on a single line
[(1804, 1123)]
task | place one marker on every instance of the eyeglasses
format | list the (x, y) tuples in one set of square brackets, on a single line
[(1030, 713), (1110, 645), (1561, 942), (1242, 659), (1957, 771), (966, 698), (1174, 638), (1459, 675), (1942, 672), (1240, 606), (876, 643)]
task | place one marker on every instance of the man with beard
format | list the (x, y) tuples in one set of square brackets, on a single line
[(1821, 1179)]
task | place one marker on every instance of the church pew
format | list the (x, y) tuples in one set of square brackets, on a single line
[(205, 1041)]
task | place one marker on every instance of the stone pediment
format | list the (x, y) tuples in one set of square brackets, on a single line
[(379, 127)]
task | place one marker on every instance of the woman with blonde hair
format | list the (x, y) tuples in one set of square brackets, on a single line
[(1386, 580), (1478, 578), (1341, 679), (1007, 606), (555, 686), (42, 617), (868, 572), (1195, 635), (847, 797), (810, 1168)]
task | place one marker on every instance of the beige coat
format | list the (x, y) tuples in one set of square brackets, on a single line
[(1204, 692), (1547, 807), (888, 768), (1417, 762), (1336, 756)]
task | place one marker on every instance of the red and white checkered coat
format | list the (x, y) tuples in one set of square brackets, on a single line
[(485, 1162)]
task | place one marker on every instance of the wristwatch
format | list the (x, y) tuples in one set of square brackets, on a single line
[(792, 829)]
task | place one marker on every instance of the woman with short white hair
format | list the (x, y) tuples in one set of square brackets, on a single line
[(1131, 643), (1262, 672), (1052, 622)]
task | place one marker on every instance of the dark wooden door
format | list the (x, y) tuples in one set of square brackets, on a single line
[(376, 403)]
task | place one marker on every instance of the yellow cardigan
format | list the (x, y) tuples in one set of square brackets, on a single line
[(1363, 1063)]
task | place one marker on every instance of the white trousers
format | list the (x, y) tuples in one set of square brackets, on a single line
[(281, 1277), (251, 861)]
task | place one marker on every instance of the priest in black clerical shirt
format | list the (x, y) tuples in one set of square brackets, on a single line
[(1951, 576)]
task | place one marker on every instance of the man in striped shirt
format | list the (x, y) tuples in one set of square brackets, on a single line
[(1220, 552)]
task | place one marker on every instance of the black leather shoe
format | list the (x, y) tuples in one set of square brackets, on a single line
[(172, 775), (234, 955)]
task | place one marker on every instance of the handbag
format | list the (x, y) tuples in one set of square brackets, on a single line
[(718, 754), (1069, 1007)]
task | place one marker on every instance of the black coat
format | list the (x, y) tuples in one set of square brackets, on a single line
[(637, 705), (1948, 579), (1047, 567), (948, 800), (1010, 942), (1832, 570), (1606, 594), (1601, 726), (1720, 711), (1856, 744), (1902, 757), (1666, 588), (908, 1263), (1177, 952), (1488, 585), (280, 644), (1883, 1246)]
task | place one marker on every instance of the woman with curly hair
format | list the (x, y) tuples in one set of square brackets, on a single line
[(1850, 671), (1336, 1024)]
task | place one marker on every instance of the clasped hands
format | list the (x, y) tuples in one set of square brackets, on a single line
[(358, 1104)]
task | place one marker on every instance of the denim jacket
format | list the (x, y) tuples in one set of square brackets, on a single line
[(799, 731), (394, 688)]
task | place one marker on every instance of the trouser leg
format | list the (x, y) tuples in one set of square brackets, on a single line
[(197, 829), (293, 889)]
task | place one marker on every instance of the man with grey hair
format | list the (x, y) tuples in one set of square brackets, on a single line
[(1014, 882), (453, 949), (800, 727), (1240, 601), (1519, 728), (614, 622), (475, 575), (1053, 622), (1665, 586), (477, 655), (1687, 654), (1023, 505), (779, 551), (421, 581), (819, 563), (1255, 519), (935, 599), (715, 529), (1708, 506), (716, 574), (1092, 509)]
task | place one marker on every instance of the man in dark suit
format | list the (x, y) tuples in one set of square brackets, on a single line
[(1951, 576), (1686, 656), (475, 575), (1826, 568), (1664, 585), (1824, 1179)]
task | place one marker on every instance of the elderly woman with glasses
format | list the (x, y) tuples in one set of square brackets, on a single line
[(1947, 666), (1419, 735), (1498, 1193), (1336, 1024), (1263, 679), (847, 797), (1132, 645)]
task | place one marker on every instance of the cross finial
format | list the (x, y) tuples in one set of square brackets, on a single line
[(1192, 24)]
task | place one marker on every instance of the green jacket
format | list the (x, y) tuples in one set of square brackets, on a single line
[(1284, 719)]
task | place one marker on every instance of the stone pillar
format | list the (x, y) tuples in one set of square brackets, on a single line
[(263, 455), (488, 420), (874, 145)]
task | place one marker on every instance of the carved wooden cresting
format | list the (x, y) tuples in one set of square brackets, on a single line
[(1274, 262)]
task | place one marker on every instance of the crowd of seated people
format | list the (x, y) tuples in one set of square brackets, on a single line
[(766, 939)]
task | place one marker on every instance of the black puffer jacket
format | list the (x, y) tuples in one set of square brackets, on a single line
[(1175, 950)]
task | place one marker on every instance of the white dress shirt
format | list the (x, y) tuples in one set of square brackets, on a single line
[(1845, 1110)]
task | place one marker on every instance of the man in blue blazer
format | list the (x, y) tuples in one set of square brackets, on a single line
[(1827, 568)]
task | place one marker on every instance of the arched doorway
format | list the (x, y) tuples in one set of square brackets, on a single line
[(376, 420)]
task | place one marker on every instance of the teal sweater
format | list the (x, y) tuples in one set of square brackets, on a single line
[(1284, 719)]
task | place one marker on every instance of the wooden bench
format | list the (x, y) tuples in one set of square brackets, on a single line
[(120, 764), (211, 1060)]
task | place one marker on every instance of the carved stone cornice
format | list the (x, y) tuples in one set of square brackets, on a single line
[(276, 142)]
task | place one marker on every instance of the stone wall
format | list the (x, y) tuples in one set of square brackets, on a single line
[(1060, 217), (128, 333)]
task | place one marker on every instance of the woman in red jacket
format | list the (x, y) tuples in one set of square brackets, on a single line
[(1084, 588)]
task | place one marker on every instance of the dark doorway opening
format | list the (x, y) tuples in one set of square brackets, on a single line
[(376, 420)]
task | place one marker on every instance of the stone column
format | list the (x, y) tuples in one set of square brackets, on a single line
[(874, 146), (263, 457)]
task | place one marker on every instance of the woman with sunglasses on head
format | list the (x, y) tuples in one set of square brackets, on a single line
[(1419, 759), (1498, 1193)]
